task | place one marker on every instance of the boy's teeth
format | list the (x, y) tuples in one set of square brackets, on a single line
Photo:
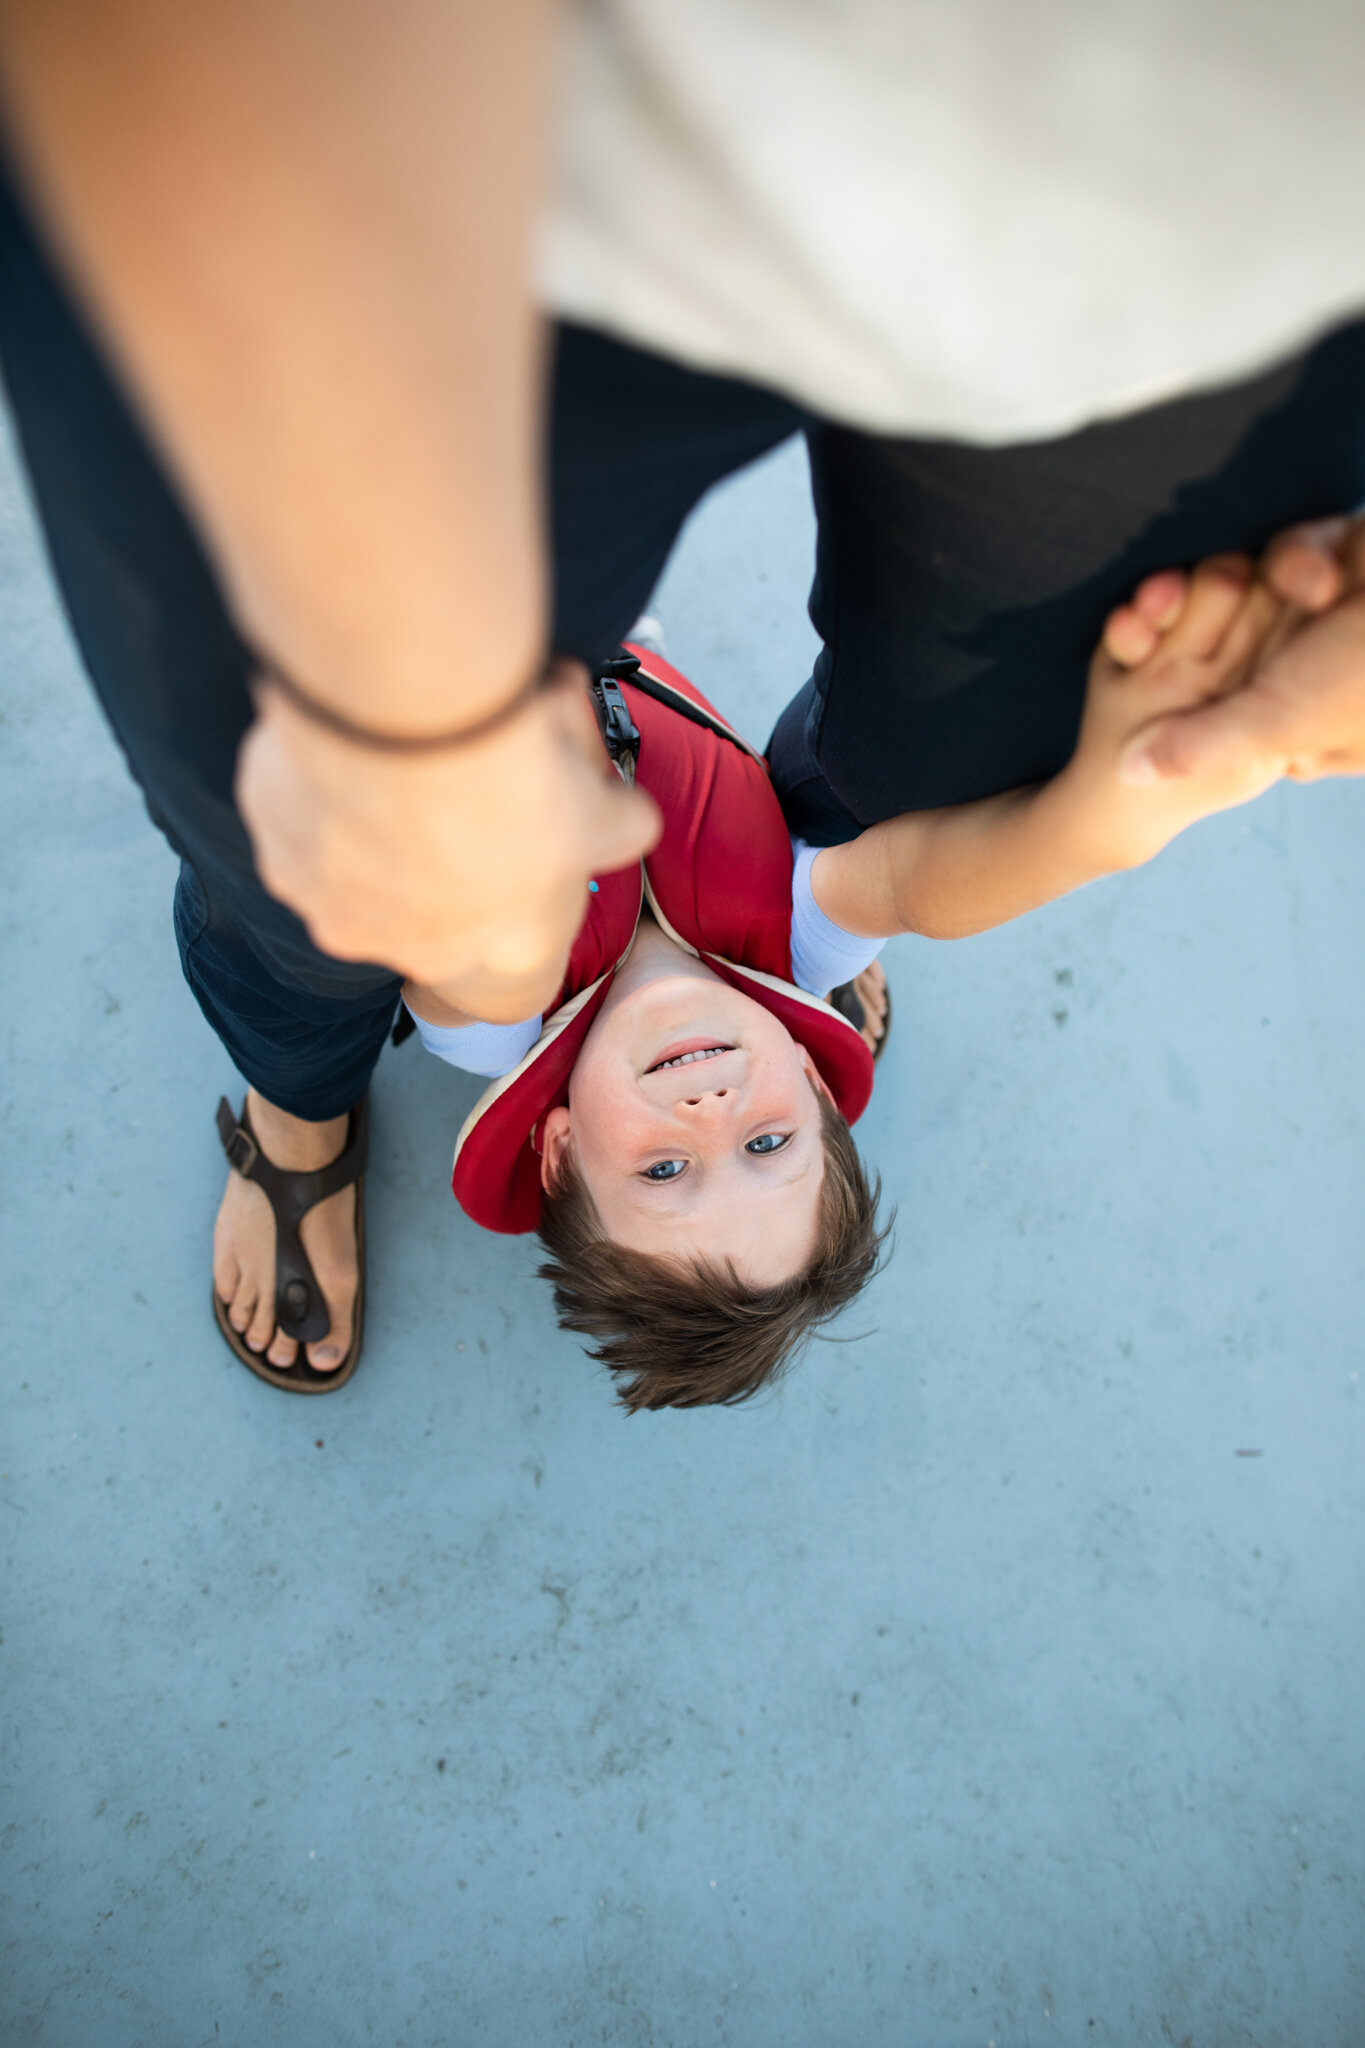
[(685, 1059)]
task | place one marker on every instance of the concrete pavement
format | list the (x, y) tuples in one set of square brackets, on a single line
[(997, 1681)]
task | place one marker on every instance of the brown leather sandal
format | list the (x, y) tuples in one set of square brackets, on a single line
[(300, 1310), (846, 1000)]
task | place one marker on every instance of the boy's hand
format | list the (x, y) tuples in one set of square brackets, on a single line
[(1205, 636), (468, 865), (1300, 710)]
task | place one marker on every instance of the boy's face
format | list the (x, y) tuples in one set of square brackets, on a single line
[(720, 1156)]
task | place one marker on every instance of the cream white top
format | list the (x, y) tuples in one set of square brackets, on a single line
[(973, 218)]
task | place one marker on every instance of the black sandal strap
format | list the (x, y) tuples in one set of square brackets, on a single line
[(300, 1309), (846, 1000)]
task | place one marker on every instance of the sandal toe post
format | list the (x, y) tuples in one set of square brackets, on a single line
[(300, 1309)]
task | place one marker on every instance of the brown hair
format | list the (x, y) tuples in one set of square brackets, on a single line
[(693, 1334)]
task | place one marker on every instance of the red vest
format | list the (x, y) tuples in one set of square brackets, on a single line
[(720, 882)]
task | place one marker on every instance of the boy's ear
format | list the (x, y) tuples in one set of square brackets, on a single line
[(554, 1143), (816, 1078)]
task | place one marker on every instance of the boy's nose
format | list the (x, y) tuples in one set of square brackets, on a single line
[(707, 1098)]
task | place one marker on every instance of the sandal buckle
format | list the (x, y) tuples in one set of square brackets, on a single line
[(242, 1152)]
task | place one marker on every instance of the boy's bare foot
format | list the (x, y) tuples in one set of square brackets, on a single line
[(244, 1240)]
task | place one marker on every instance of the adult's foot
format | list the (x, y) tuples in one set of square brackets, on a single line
[(244, 1240)]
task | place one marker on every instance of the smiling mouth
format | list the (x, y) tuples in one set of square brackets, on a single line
[(688, 1058)]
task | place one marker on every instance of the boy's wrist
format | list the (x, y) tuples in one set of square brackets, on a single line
[(1096, 820)]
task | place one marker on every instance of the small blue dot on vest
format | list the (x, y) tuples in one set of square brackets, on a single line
[(593, 887)]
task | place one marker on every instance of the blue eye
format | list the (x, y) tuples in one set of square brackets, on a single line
[(665, 1169), (771, 1141)]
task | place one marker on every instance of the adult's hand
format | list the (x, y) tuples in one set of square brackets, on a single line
[(1300, 712), (465, 865)]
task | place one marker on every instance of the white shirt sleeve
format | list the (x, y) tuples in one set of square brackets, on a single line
[(823, 955), (489, 1049)]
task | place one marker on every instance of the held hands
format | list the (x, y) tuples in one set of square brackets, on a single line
[(1302, 709), (1205, 690), (1203, 634), (466, 868), (1210, 687)]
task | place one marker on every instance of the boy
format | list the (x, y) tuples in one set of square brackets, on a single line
[(681, 1149), (677, 1126)]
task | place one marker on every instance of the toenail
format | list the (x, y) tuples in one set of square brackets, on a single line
[(327, 1357)]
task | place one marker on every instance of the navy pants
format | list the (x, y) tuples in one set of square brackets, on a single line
[(958, 594)]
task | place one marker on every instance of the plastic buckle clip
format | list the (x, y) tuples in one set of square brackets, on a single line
[(620, 734)]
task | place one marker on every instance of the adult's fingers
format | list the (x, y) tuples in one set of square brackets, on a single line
[(621, 823), (1303, 564)]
